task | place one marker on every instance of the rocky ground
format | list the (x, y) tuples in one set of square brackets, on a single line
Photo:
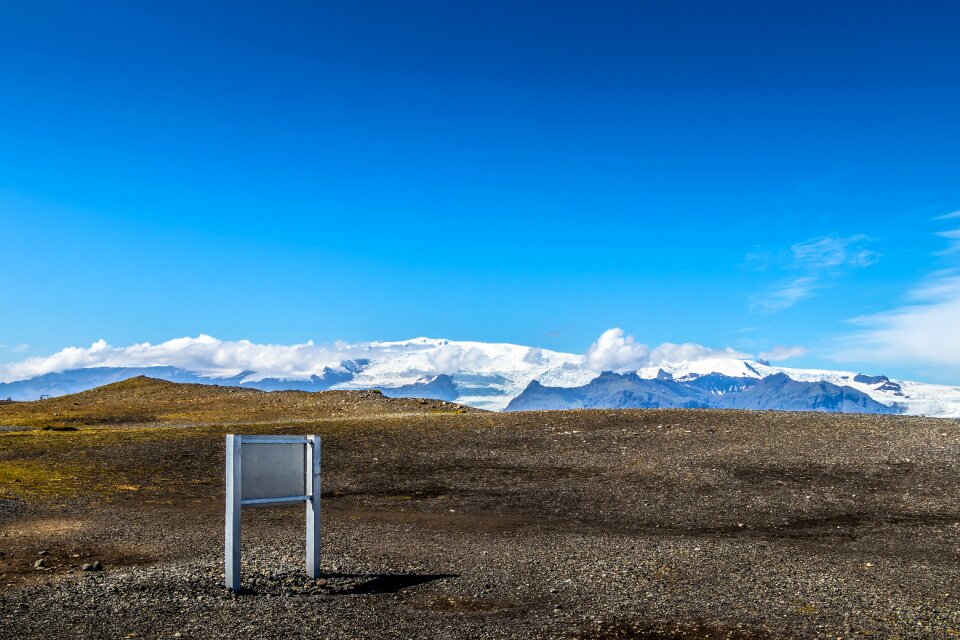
[(581, 524)]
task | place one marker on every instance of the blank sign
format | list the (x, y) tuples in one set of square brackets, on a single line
[(270, 469), (273, 470)]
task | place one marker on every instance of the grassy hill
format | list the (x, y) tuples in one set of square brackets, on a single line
[(147, 400)]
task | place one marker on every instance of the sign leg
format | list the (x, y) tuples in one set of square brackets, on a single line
[(313, 506), (231, 529)]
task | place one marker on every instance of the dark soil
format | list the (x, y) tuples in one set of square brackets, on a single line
[(582, 524)]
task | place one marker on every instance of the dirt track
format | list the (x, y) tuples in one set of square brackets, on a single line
[(589, 524)]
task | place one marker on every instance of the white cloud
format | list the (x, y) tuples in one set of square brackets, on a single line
[(925, 331), (451, 358), (534, 356), (689, 352), (948, 216), (779, 354), (202, 354), (215, 358), (615, 351), (409, 359)]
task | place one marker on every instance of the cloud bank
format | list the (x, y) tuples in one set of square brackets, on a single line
[(203, 354), (214, 358), (615, 351)]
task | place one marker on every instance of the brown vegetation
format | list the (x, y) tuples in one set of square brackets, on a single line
[(147, 400)]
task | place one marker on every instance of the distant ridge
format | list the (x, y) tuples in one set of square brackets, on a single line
[(141, 399), (494, 376), (629, 391)]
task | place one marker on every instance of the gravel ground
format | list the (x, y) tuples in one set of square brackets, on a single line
[(630, 524)]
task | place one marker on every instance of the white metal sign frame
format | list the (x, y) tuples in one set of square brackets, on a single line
[(310, 494)]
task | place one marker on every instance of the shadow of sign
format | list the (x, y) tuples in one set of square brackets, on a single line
[(386, 582), (338, 584)]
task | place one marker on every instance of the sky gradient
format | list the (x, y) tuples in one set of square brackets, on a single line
[(743, 175)]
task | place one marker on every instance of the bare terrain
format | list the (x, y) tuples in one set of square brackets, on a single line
[(447, 522)]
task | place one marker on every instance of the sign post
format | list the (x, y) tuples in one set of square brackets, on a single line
[(264, 470)]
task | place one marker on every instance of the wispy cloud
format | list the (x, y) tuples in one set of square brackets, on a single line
[(922, 331), (807, 267), (953, 236), (833, 252), (779, 354), (616, 351), (784, 295)]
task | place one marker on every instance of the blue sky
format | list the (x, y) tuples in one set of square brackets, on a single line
[(745, 175)]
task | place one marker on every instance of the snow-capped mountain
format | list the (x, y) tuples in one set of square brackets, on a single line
[(712, 391), (913, 398), (484, 375)]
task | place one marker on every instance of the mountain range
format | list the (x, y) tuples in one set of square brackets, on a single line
[(515, 377), (777, 391)]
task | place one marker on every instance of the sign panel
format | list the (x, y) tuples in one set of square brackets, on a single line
[(273, 471)]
